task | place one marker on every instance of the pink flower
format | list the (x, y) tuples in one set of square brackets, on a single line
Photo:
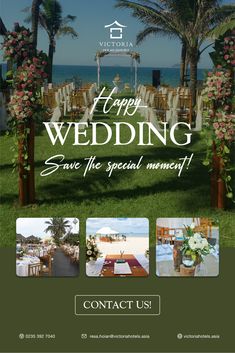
[(215, 126), (220, 135)]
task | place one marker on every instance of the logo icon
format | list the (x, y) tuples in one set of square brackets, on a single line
[(115, 30)]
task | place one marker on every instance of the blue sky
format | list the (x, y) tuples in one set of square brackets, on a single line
[(92, 16), (122, 225), (37, 226)]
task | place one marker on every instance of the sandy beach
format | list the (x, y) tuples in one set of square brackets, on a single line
[(132, 245)]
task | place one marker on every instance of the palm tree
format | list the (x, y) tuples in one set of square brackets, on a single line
[(51, 19), (190, 20), (163, 29), (57, 227), (35, 17)]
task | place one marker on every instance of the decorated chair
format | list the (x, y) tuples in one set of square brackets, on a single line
[(161, 106), (34, 270), (184, 110)]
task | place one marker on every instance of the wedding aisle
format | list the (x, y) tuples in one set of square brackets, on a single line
[(62, 265)]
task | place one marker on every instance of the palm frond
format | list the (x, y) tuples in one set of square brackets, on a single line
[(68, 19), (142, 35), (228, 24), (151, 16), (67, 30)]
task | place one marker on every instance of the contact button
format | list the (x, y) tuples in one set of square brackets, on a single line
[(128, 305)]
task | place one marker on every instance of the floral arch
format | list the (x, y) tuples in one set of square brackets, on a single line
[(135, 57)]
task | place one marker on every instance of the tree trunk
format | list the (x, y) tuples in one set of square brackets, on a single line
[(193, 76), (35, 15), (183, 63), (186, 71), (50, 59), (31, 179)]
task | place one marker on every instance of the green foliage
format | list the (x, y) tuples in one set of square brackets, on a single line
[(72, 239)]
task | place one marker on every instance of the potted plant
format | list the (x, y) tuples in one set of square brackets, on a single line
[(195, 246)]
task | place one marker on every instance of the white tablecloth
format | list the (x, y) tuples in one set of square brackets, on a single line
[(93, 268), (22, 265)]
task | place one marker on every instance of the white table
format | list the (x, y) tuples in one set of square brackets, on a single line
[(23, 265), (93, 268), (122, 269)]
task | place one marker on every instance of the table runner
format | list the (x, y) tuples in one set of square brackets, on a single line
[(136, 268)]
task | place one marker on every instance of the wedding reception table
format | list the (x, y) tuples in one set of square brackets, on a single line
[(132, 267), (165, 265), (23, 265)]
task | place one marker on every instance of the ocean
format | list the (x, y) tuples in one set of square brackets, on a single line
[(85, 74)]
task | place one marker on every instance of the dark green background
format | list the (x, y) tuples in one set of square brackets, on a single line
[(46, 305)]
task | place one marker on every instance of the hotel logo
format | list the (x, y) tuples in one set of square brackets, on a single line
[(115, 30)]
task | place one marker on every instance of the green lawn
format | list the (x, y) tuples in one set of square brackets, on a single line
[(141, 193)]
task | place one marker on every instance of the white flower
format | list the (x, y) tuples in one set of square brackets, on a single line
[(204, 242), (192, 243), (89, 252), (197, 236), (192, 225)]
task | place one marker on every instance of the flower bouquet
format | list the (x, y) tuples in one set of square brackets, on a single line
[(92, 251), (194, 247), (218, 86)]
